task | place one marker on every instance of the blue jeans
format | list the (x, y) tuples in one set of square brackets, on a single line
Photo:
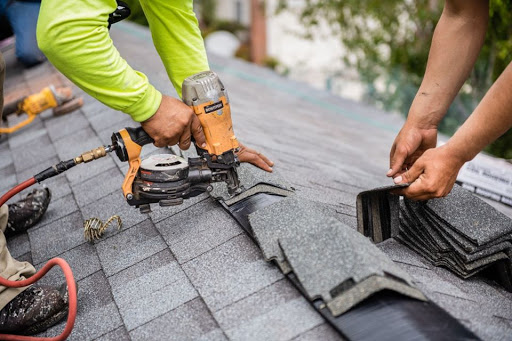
[(23, 19)]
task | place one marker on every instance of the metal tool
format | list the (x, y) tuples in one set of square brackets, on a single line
[(168, 179)]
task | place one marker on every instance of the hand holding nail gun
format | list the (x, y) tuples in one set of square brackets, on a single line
[(168, 179)]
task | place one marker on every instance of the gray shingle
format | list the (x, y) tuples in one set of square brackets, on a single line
[(120, 334), (7, 177), (37, 154), (97, 187), (471, 216), (83, 172), (58, 209), (62, 126), (230, 272), (165, 288), (197, 230), (18, 245), (160, 213), (55, 238), (75, 144), (82, 259), (276, 312), (323, 332), (129, 246), (108, 118), (97, 313), (190, 321), (30, 134), (113, 204)]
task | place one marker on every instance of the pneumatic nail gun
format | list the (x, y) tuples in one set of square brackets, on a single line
[(168, 179)]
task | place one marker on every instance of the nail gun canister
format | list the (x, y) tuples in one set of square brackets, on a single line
[(205, 93)]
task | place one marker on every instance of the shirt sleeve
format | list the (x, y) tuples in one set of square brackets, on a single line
[(75, 38), (177, 38)]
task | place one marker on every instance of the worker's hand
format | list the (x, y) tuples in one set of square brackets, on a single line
[(410, 143), (432, 175), (254, 157), (174, 122)]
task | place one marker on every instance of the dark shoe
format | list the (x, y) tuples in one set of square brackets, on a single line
[(34, 310), (27, 212)]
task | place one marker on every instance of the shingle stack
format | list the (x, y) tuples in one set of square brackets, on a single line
[(460, 232)]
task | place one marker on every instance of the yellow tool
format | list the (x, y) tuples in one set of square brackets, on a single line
[(61, 100)]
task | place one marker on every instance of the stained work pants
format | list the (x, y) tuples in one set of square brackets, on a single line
[(10, 268)]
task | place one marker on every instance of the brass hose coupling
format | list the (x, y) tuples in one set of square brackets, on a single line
[(91, 155)]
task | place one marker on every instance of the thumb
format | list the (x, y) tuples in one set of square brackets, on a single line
[(409, 176), (396, 159), (197, 132)]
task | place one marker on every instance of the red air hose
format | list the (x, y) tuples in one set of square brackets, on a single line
[(50, 264), (16, 190)]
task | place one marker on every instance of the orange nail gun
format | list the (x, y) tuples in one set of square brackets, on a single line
[(169, 179), (60, 100)]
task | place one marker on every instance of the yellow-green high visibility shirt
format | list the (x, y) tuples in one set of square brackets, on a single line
[(73, 35)]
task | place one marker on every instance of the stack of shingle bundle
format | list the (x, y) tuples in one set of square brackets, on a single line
[(460, 232)]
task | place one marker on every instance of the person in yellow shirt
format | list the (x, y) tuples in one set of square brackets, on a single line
[(74, 36)]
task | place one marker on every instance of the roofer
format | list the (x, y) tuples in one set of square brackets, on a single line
[(33, 309), (74, 36), (457, 40)]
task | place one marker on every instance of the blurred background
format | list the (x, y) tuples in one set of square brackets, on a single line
[(367, 50)]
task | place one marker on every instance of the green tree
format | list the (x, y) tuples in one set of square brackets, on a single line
[(388, 41)]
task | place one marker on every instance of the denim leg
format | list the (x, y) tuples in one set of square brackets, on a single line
[(23, 19)]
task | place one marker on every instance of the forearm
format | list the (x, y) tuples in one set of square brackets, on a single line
[(177, 38), (75, 38), (457, 40), (491, 119)]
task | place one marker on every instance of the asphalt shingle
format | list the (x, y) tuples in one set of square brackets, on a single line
[(113, 204), (150, 288), (129, 247), (87, 191), (275, 312), (83, 261), (197, 230), (38, 153), (56, 210), (230, 272), (190, 321), (97, 313), (56, 238)]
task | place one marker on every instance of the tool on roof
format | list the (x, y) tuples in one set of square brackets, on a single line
[(60, 99), (168, 179)]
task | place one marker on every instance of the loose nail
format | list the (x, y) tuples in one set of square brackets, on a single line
[(397, 180)]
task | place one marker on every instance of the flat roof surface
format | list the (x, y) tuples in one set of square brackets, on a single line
[(190, 272)]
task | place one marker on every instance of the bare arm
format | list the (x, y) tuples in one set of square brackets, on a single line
[(457, 40), (434, 174)]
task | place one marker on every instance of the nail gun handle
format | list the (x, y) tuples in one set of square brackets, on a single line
[(139, 136)]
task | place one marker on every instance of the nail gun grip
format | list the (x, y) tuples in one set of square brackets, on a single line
[(139, 136)]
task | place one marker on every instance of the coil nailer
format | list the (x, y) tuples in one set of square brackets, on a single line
[(168, 179)]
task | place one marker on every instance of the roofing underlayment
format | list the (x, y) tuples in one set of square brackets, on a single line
[(190, 271)]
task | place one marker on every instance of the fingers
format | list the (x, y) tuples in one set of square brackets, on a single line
[(409, 176), (185, 140), (397, 159), (255, 158), (197, 132)]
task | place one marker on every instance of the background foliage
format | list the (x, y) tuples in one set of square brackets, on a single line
[(388, 43)]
